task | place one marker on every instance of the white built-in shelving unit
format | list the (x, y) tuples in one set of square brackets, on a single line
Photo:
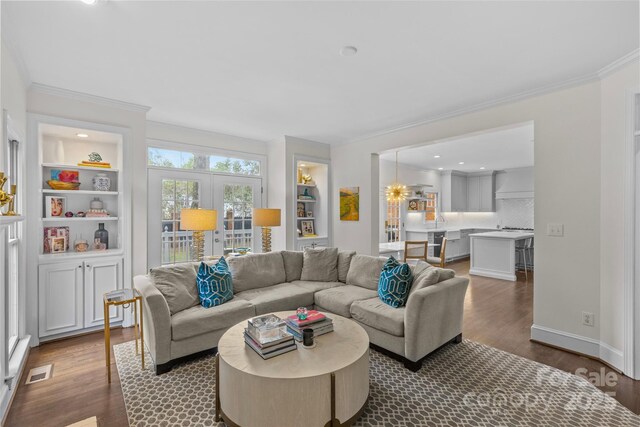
[(71, 284), (315, 206)]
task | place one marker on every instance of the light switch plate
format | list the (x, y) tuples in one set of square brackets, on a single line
[(555, 230)]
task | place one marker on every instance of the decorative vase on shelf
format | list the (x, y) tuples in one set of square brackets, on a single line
[(102, 235), (96, 204), (101, 182)]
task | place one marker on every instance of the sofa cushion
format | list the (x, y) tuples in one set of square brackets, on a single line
[(338, 300), (433, 260), (316, 286), (375, 313), (292, 265), (320, 265), (445, 274), (214, 284), (177, 283), (395, 283), (257, 271), (199, 320), (344, 261), (418, 268), (428, 277), (364, 271), (284, 296)]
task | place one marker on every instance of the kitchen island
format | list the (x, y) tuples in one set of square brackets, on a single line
[(493, 254)]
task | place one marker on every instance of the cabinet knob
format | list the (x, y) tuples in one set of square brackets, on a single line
[(79, 266), (89, 265)]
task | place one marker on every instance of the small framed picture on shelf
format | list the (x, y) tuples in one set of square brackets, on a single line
[(58, 244), (54, 206), (307, 228), (54, 232), (309, 214)]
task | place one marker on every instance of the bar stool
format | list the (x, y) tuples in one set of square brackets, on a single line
[(522, 250), (418, 250), (441, 260)]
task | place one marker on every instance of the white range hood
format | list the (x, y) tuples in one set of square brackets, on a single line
[(515, 184)]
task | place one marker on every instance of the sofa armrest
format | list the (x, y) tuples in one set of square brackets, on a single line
[(157, 320), (433, 317)]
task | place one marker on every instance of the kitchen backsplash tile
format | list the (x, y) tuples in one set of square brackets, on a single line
[(509, 213)]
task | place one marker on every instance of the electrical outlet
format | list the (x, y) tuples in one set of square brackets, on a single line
[(588, 318), (555, 230)]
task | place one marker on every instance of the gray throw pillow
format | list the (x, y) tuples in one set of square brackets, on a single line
[(292, 265), (419, 268), (428, 277), (344, 262), (178, 285), (320, 265), (364, 271)]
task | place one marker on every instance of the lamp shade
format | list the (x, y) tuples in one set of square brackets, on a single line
[(198, 219), (266, 217)]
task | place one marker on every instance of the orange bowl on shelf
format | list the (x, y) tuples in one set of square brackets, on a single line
[(61, 185)]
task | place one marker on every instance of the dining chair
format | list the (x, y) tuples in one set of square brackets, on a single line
[(415, 250), (439, 261), (522, 250)]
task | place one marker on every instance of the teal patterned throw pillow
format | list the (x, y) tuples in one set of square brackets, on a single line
[(395, 283), (214, 284)]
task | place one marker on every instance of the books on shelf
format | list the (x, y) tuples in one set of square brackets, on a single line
[(105, 165)]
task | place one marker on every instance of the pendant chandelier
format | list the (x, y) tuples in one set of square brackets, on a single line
[(396, 192)]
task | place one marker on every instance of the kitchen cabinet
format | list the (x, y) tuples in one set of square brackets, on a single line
[(454, 191), (453, 249), (481, 192), (70, 294)]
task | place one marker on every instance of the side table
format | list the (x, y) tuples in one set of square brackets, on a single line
[(116, 298)]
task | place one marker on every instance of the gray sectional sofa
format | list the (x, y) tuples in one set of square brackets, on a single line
[(177, 326)]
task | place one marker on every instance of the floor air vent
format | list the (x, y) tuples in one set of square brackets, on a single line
[(38, 374)]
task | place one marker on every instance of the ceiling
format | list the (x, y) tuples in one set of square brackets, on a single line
[(497, 150), (71, 133), (267, 69)]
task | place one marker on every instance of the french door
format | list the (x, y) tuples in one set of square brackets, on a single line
[(170, 191)]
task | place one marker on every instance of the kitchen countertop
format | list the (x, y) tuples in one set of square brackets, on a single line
[(440, 229), (396, 246), (513, 235)]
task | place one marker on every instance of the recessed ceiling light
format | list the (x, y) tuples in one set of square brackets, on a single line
[(348, 51), (302, 165), (82, 135), (440, 169), (89, 1), (482, 167), (437, 156), (461, 163)]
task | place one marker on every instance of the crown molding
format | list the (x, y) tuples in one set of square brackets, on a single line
[(603, 72), (619, 63), (485, 105), (80, 96)]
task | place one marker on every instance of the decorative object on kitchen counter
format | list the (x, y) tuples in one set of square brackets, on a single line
[(101, 235), (350, 204), (101, 182), (63, 179), (54, 206), (396, 192), (95, 161)]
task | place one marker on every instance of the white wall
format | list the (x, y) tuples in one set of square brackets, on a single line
[(612, 209), (13, 99), (567, 124)]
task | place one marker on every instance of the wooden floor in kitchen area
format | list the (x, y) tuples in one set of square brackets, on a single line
[(497, 313)]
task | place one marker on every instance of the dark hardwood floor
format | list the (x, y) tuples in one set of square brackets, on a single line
[(497, 313)]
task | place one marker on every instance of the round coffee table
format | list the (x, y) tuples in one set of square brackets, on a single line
[(327, 385)]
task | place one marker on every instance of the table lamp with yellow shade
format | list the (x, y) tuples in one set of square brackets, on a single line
[(198, 221), (266, 218)]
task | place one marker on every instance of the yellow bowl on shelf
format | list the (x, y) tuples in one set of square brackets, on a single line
[(61, 185)]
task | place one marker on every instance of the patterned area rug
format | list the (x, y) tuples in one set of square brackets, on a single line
[(468, 384)]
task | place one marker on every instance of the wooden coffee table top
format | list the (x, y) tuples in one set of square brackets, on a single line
[(333, 351)]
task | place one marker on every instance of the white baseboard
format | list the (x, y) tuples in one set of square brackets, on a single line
[(579, 344), (493, 274)]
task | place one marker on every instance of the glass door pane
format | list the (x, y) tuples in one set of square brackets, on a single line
[(235, 198)]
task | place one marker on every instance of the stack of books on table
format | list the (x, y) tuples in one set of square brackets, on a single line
[(268, 336), (315, 320)]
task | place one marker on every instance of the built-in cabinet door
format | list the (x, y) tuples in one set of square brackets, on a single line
[(453, 249), (458, 193), (473, 194), (486, 197), (60, 298), (101, 275)]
